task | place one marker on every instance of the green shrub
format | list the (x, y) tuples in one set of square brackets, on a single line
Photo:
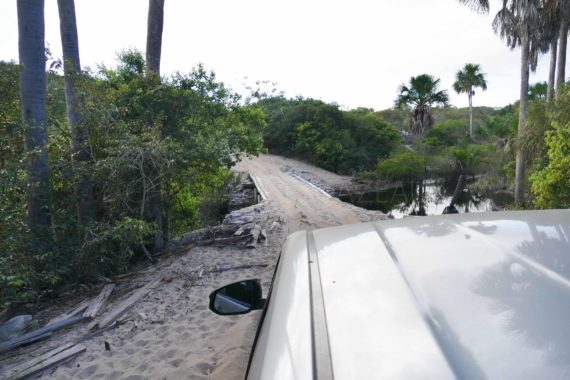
[(403, 166), (551, 185), (448, 133)]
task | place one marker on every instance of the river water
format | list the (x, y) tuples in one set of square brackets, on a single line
[(429, 198)]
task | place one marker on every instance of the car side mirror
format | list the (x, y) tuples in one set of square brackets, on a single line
[(238, 298)]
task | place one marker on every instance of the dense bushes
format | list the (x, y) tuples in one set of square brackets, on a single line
[(406, 166), (341, 141), (551, 178), (448, 133), (157, 146)]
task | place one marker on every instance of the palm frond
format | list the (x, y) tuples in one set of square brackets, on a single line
[(481, 6)]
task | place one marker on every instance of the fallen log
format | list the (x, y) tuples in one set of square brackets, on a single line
[(43, 362), (99, 301), (125, 305), (38, 334)]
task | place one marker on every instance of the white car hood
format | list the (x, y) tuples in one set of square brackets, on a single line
[(472, 296)]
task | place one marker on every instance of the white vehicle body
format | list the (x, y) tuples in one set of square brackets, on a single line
[(472, 296)]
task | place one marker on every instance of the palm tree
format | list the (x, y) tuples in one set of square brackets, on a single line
[(563, 7), (466, 81), (31, 46), (552, 69), (520, 23), (75, 110), (420, 94), (155, 23)]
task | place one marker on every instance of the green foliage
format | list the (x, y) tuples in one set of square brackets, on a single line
[(342, 141), (551, 185), (178, 136), (473, 158), (448, 133), (405, 166), (537, 91), (551, 177), (481, 115), (502, 123)]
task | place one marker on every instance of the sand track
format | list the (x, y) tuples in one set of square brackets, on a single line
[(304, 206)]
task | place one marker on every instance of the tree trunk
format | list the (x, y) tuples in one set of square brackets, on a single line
[(153, 51), (520, 154), (75, 109), (552, 72), (471, 114), (154, 35), (561, 75), (31, 32)]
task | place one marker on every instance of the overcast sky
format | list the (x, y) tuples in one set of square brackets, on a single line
[(354, 53)]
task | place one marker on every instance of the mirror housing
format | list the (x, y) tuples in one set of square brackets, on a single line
[(238, 298)]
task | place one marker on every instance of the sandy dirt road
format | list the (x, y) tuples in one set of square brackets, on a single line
[(305, 206)]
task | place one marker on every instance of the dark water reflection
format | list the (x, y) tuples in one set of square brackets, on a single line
[(428, 197)]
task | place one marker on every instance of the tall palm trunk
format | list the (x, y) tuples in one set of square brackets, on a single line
[(561, 76), (74, 105), (153, 51), (471, 114), (520, 154), (154, 34), (31, 46), (552, 71)]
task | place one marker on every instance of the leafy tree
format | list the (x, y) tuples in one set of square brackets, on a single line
[(550, 185), (538, 90), (473, 158), (551, 179), (466, 80), (373, 137), (185, 132), (405, 165), (33, 98), (420, 94), (502, 124), (326, 136), (448, 133)]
